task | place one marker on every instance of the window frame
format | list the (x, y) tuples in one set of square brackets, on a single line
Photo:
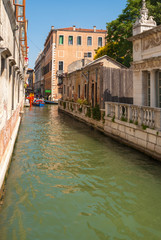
[(59, 65), (98, 41), (62, 41), (80, 41), (70, 44), (91, 40), (88, 54)]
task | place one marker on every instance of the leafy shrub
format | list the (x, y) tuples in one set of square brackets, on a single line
[(96, 113), (80, 101), (124, 119), (88, 114), (80, 109), (113, 119), (144, 127), (64, 105)]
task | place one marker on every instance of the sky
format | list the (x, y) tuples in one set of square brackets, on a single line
[(42, 14)]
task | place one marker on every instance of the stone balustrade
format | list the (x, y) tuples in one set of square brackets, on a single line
[(138, 115), (76, 108)]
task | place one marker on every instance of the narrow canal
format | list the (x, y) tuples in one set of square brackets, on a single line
[(68, 181)]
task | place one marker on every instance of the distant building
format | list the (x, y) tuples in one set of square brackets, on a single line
[(39, 75), (30, 81), (64, 46), (101, 80)]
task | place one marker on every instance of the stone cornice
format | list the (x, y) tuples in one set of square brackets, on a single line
[(151, 63), (145, 34)]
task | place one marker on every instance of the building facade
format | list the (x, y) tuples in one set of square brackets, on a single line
[(13, 57), (64, 46), (101, 80), (39, 75), (146, 60), (30, 81)]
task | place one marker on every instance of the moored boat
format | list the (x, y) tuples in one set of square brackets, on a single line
[(38, 103), (51, 102)]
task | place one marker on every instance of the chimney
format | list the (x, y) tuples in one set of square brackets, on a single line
[(73, 27), (52, 27), (94, 27)]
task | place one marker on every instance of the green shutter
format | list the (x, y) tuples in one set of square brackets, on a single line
[(61, 38)]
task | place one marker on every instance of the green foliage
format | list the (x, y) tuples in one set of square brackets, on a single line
[(85, 102), (82, 101), (80, 109), (64, 105), (124, 119), (118, 47), (113, 119), (88, 114), (144, 127), (131, 121), (96, 113), (136, 122)]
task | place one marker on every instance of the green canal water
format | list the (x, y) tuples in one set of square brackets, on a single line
[(68, 182)]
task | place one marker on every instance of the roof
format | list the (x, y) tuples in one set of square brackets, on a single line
[(108, 59), (76, 30), (82, 30)]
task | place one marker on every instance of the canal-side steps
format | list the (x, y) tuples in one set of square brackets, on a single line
[(8, 137), (135, 126)]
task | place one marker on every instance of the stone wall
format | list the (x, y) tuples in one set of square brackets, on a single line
[(12, 71), (145, 140)]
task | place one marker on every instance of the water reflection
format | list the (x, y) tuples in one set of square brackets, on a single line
[(67, 181)]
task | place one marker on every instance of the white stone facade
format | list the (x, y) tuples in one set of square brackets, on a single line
[(146, 61), (12, 69)]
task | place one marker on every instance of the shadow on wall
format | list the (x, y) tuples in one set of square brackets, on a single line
[(107, 97)]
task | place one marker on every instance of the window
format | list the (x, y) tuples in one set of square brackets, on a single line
[(2, 64), (100, 42), (60, 90), (85, 91), (61, 39), (79, 40), (46, 69), (89, 41), (70, 40), (60, 80), (89, 54), (96, 75), (78, 91), (64, 89), (61, 65), (51, 40), (50, 65)]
